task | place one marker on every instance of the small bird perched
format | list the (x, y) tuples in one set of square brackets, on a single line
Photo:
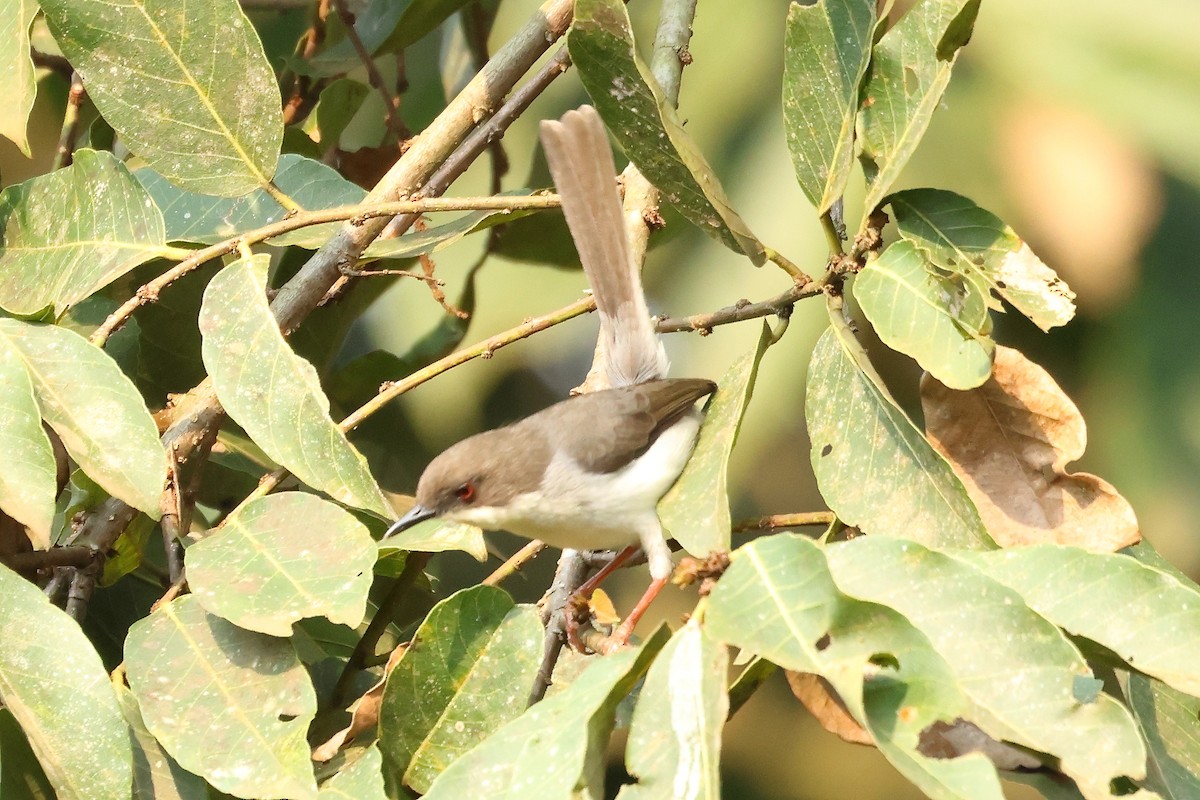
[(588, 472)]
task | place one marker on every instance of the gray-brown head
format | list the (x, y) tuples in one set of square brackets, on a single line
[(480, 472)]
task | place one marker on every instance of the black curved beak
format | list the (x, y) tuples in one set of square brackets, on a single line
[(417, 513)]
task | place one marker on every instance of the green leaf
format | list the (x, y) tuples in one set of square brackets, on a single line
[(961, 237), (361, 780), (94, 409), (186, 86), (28, 473), (910, 67), (937, 319), (126, 554), (194, 217), (275, 395), (282, 558), (779, 601), (231, 706), (1017, 668), (468, 672), (438, 536), (646, 125), (695, 511), (414, 244), (54, 684), (73, 231), (875, 470), (156, 776), (1167, 720), (827, 47), (16, 70), (674, 743), (419, 20), (339, 102), (1145, 615), (558, 744)]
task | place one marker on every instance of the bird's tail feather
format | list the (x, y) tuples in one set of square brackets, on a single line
[(582, 166)]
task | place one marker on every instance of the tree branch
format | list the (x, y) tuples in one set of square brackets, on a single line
[(780, 306), (389, 101), (357, 214), (70, 556), (71, 123)]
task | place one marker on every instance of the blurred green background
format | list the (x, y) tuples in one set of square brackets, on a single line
[(1075, 121)]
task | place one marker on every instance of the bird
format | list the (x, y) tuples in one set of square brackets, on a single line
[(586, 472)]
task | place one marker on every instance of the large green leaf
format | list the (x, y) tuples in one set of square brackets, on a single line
[(826, 50), (910, 67), (194, 217), (156, 776), (361, 780), (939, 320), (695, 511), (646, 125), (1145, 615), (558, 745), (230, 705), (875, 470), (94, 409), (28, 474), (961, 237), (55, 685), (68, 233), (186, 86), (1168, 722), (281, 558), (468, 672), (674, 745), (16, 70), (272, 393), (779, 601), (1019, 670)]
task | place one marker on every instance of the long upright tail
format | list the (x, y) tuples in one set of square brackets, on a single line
[(582, 166)]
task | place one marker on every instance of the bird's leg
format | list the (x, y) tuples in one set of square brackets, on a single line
[(620, 637), (578, 609)]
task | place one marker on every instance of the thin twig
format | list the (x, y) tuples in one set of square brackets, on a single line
[(51, 62), (149, 292), (365, 648), (71, 123), (567, 578), (389, 101), (83, 583), (776, 521), (514, 563), (780, 306)]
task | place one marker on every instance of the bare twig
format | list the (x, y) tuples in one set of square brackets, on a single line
[(51, 62), (83, 583), (358, 214), (514, 563), (71, 123), (389, 100), (780, 306), (776, 521), (567, 579)]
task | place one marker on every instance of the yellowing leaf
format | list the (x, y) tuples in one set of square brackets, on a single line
[(1010, 441)]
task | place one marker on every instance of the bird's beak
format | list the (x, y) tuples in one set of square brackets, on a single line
[(417, 513)]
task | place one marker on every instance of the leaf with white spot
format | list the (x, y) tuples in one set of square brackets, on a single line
[(186, 86), (66, 234), (279, 559), (16, 70), (274, 394), (95, 409)]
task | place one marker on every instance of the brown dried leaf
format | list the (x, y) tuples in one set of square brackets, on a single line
[(1010, 441), (816, 695), (364, 713)]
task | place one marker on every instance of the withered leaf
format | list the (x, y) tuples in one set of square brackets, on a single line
[(1010, 440), (364, 713), (819, 698)]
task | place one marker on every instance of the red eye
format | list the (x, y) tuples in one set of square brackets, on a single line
[(465, 493)]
